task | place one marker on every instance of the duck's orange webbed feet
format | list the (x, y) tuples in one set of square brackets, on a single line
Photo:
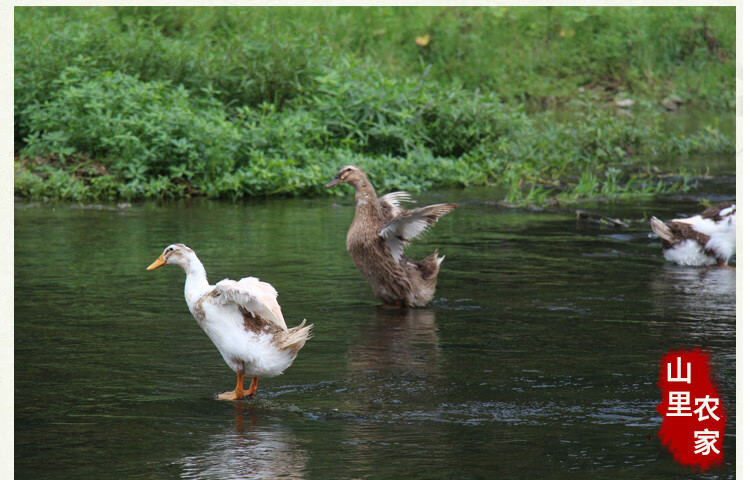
[(239, 391)]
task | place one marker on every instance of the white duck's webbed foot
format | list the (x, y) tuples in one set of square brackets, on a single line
[(239, 391)]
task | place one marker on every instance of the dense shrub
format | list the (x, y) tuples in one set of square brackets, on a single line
[(166, 102), (249, 66), (140, 129)]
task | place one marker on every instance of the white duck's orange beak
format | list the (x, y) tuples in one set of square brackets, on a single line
[(159, 262)]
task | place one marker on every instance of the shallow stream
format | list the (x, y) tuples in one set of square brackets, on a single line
[(538, 357)]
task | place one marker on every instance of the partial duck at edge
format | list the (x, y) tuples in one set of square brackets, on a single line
[(709, 238)]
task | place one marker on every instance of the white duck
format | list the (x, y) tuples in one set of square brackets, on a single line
[(708, 238), (243, 319)]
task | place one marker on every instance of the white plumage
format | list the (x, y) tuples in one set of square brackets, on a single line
[(689, 253)]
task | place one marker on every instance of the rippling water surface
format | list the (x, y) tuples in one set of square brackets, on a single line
[(538, 357)]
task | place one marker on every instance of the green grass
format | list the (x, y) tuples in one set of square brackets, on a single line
[(142, 102)]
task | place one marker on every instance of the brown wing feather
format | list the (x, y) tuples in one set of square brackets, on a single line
[(390, 204), (411, 224)]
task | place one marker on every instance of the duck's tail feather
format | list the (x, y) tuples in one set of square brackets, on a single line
[(662, 230), (430, 266), (423, 279), (296, 337)]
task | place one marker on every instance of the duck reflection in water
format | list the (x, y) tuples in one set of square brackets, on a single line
[(708, 294), (397, 339), (247, 451), (242, 410), (395, 360)]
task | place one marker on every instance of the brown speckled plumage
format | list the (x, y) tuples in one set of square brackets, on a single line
[(379, 231)]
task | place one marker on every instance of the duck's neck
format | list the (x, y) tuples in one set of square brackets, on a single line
[(196, 283), (366, 198)]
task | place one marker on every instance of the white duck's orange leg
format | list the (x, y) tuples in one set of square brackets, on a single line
[(253, 387), (239, 390)]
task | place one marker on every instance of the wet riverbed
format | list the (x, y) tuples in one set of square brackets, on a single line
[(538, 357)]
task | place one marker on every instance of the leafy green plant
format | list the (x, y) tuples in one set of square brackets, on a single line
[(144, 102)]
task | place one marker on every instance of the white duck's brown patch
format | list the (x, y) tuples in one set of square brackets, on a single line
[(198, 311), (714, 213), (684, 231), (257, 324)]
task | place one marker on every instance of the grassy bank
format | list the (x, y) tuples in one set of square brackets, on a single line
[(138, 102)]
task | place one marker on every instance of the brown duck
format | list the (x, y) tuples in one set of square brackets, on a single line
[(377, 237)]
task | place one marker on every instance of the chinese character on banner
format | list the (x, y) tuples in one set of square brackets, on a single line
[(694, 416)]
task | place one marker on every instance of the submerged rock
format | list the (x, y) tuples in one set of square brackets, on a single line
[(600, 219)]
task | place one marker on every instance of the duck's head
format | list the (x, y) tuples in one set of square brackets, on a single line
[(351, 174), (175, 254)]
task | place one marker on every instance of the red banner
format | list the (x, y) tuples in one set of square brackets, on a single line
[(694, 415)]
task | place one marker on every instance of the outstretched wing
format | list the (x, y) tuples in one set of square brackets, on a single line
[(258, 298), (411, 224), (391, 203)]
